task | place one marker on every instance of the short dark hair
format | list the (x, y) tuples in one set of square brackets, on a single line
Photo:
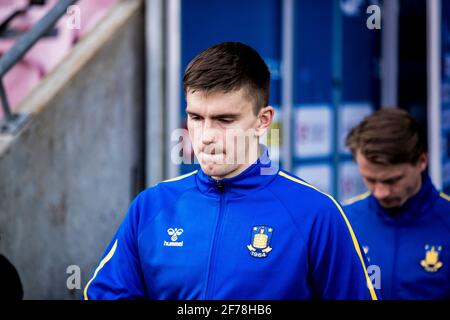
[(229, 66), (389, 136)]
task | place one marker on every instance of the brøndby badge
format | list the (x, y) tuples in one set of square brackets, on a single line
[(431, 262), (260, 241)]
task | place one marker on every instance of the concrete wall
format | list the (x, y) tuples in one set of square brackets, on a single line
[(67, 178)]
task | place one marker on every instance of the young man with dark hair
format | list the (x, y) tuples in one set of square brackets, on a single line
[(402, 221), (237, 228)]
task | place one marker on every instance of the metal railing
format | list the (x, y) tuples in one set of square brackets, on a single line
[(14, 121)]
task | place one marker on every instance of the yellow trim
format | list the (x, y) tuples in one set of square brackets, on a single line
[(357, 198), (181, 177), (102, 263), (445, 196), (355, 242)]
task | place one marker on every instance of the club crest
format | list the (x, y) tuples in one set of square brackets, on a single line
[(431, 262), (260, 241)]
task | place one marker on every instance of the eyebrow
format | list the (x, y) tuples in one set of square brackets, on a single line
[(217, 116), (393, 178), (386, 180)]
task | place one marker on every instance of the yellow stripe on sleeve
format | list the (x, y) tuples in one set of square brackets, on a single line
[(445, 196), (100, 266), (357, 198), (355, 242), (181, 177)]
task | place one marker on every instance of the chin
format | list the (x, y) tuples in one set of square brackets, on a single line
[(216, 170), (391, 204), (388, 206), (211, 169)]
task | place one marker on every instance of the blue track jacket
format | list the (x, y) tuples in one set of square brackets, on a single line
[(412, 248), (264, 234)]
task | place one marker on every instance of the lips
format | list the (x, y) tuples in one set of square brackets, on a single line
[(212, 157), (211, 150)]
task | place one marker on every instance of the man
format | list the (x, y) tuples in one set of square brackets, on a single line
[(402, 222), (232, 229)]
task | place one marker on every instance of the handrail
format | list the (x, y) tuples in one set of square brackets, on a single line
[(14, 121)]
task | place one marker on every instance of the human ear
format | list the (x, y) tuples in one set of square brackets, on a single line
[(423, 162), (265, 118)]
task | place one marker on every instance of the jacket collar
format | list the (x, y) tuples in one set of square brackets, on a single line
[(256, 176), (414, 208)]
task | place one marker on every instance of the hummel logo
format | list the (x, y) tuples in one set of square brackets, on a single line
[(174, 234)]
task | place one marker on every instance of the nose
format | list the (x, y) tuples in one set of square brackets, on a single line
[(208, 133), (381, 191), (207, 138)]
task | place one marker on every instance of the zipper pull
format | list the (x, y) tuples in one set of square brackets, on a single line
[(220, 185)]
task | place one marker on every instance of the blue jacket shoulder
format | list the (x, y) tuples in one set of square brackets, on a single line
[(357, 206), (149, 202), (302, 198)]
